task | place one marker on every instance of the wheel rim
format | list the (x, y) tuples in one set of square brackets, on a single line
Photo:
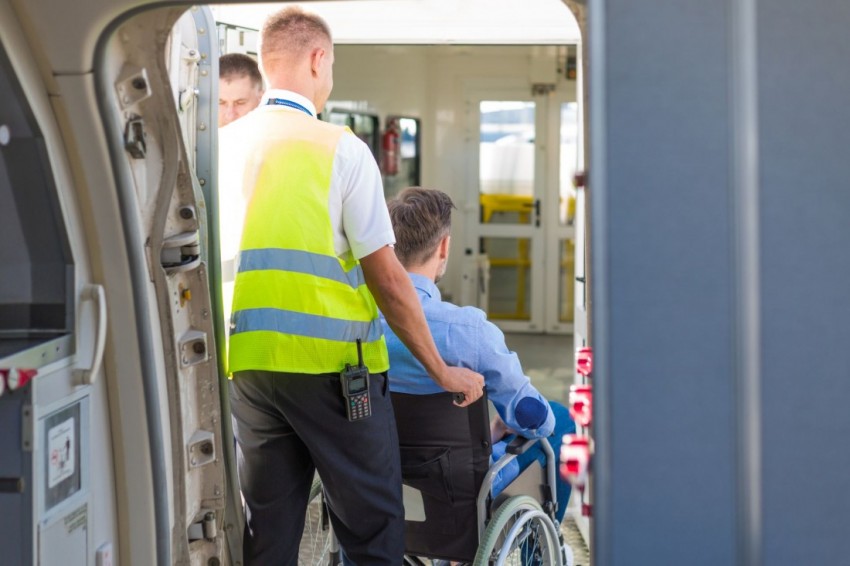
[(519, 533), (529, 541), (316, 539)]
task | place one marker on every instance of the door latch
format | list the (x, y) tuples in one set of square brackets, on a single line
[(134, 138)]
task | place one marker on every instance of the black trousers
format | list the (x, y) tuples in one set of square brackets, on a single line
[(289, 425)]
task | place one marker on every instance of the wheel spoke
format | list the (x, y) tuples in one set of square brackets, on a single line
[(519, 533), (316, 539)]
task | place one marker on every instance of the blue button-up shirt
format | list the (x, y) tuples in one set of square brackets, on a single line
[(465, 338)]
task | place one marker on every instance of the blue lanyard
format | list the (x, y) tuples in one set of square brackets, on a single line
[(289, 104)]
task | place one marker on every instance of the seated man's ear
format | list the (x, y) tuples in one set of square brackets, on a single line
[(443, 248)]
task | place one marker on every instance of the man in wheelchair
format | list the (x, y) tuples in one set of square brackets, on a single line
[(447, 452)]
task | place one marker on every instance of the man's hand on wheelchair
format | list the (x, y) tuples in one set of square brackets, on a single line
[(462, 381)]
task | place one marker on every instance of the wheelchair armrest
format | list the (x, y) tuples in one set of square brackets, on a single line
[(519, 445)]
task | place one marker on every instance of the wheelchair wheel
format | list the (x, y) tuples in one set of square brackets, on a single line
[(316, 547), (520, 533)]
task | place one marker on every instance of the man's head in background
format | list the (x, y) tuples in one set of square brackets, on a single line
[(240, 87)]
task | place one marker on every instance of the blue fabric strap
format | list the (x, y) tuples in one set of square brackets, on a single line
[(289, 104)]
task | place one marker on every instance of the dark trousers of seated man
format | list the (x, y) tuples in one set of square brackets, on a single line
[(289, 425)]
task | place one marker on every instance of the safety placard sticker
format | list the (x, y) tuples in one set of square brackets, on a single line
[(60, 452)]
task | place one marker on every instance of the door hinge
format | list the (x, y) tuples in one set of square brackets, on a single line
[(206, 528)]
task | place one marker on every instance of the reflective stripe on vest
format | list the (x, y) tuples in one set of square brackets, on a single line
[(303, 324), (300, 262), (297, 307)]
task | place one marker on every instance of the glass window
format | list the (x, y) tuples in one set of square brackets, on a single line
[(509, 290), (506, 162), (568, 162), (36, 269), (363, 124)]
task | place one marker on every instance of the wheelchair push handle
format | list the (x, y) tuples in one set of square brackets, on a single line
[(459, 397)]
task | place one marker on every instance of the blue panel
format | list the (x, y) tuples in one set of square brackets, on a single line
[(16, 515), (663, 268), (804, 81)]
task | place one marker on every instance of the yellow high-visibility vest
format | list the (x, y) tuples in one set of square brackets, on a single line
[(297, 307)]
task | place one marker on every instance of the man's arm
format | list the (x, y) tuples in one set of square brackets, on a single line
[(519, 404), (396, 297)]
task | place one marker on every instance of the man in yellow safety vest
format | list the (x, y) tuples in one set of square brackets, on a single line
[(315, 263)]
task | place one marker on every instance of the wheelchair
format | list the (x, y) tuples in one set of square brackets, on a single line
[(450, 512), (318, 545)]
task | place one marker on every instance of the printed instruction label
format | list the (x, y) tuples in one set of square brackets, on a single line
[(77, 519), (60, 450)]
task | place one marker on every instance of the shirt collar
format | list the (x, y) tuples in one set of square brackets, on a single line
[(425, 285), (287, 95)]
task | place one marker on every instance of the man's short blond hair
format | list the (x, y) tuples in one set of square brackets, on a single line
[(292, 31)]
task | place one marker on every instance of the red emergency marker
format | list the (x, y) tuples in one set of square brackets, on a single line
[(581, 404), (575, 459), (18, 377), (584, 361)]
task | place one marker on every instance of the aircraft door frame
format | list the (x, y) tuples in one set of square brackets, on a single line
[(206, 168), (559, 222)]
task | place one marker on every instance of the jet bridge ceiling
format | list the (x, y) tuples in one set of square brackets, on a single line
[(398, 22), (69, 31)]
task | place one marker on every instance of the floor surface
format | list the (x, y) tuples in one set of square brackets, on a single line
[(548, 359)]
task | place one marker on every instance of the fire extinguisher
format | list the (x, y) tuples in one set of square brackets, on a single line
[(391, 148)]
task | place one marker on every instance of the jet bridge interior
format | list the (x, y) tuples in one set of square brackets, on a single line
[(717, 166)]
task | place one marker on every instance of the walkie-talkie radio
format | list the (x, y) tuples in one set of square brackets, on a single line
[(355, 388)]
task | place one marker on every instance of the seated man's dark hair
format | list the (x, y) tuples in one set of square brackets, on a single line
[(421, 218)]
